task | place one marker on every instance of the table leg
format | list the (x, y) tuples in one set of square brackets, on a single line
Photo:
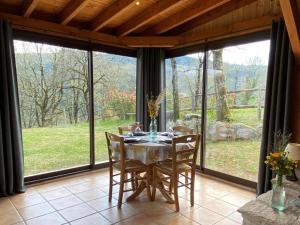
[(145, 184)]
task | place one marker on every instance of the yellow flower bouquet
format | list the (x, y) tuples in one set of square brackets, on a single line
[(278, 160)]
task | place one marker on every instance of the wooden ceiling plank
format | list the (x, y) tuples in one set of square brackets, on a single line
[(28, 7), (291, 17), (146, 16), (212, 14), (242, 27), (44, 27), (113, 11), (71, 10), (186, 15), (150, 41)]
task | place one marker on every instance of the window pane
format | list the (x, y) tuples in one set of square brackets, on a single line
[(53, 93), (184, 91), (114, 96), (235, 98)]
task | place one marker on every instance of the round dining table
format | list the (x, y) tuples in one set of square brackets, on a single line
[(149, 151)]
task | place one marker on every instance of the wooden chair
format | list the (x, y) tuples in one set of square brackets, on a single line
[(183, 130), (124, 129), (124, 166), (184, 155)]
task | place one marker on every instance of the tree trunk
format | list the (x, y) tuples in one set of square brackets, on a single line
[(175, 90), (222, 110), (198, 85)]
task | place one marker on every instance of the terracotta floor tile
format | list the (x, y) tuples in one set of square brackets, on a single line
[(95, 219), (5, 204), (36, 210), (236, 199), (141, 219), (49, 219), (83, 199), (227, 222), (91, 194), (21, 200), (203, 216), (76, 212), (59, 193), (221, 207), (237, 217), (77, 188), (65, 202), (101, 204), (174, 219), (9, 217), (115, 215)]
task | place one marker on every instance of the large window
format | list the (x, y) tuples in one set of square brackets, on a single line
[(114, 96), (54, 106), (55, 103), (235, 90)]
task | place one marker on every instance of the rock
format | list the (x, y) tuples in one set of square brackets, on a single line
[(259, 130), (221, 131), (244, 132)]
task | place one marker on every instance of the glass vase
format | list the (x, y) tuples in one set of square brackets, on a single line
[(279, 195), (153, 129)]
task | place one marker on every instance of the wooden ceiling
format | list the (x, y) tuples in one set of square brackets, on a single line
[(142, 23)]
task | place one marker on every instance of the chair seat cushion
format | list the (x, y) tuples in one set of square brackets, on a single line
[(132, 165), (166, 166)]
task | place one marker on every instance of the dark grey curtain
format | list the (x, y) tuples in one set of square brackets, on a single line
[(150, 81), (11, 150), (277, 100)]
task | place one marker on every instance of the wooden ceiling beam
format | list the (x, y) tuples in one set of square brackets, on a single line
[(291, 17), (186, 15), (146, 16), (211, 15), (50, 28), (71, 10), (113, 11), (235, 29), (28, 7), (151, 41)]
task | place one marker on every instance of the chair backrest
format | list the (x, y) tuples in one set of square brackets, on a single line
[(129, 128), (182, 130), (185, 150), (116, 149)]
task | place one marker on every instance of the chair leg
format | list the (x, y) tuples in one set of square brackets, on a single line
[(132, 179), (122, 177), (186, 177), (175, 185), (154, 183), (170, 186), (110, 183), (192, 186)]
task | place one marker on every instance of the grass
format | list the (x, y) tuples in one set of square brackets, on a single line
[(59, 147)]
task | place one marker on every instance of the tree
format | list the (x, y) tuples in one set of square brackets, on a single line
[(175, 89), (222, 110)]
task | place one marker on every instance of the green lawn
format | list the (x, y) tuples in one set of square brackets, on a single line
[(59, 147), (52, 148)]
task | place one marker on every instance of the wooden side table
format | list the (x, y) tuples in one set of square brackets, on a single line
[(260, 212)]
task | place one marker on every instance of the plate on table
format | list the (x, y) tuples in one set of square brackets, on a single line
[(167, 141), (140, 134), (166, 134), (131, 139)]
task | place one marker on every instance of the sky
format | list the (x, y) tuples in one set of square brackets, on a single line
[(240, 54)]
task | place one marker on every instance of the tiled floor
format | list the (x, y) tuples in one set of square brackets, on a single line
[(82, 200)]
